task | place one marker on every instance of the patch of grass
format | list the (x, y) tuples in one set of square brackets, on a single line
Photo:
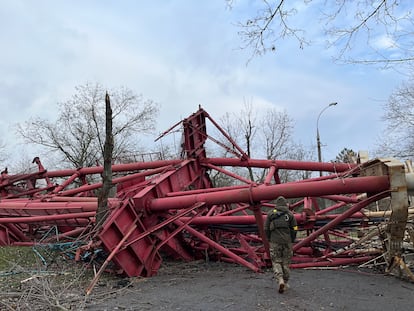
[(12, 256)]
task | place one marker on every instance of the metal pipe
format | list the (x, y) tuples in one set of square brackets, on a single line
[(300, 218), (68, 234), (228, 173), (339, 219), (253, 194), (115, 168), (46, 218), (217, 246), (270, 175), (115, 181), (281, 164), (332, 262)]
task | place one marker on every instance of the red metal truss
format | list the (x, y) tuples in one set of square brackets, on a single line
[(171, 207)]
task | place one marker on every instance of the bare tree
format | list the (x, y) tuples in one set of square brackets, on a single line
[(242, 128), (398, 138), (104, 193), (276, 137), (276, 133), (385, 27), (2, 151), (78, 134), (298, 152), (267, 134)]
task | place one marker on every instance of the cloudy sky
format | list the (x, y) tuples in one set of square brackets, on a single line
[(181, 54)]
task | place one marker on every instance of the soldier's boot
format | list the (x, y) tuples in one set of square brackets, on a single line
[(286, 284), (281, 285)]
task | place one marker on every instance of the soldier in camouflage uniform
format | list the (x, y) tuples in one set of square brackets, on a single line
[(280, 228)]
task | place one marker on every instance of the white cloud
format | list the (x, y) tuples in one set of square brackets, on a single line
[(384, 42), (181, 54)]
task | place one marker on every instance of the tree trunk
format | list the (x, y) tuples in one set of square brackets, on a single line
[(102, 211)]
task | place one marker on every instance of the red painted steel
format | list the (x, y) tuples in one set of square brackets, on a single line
[(283, 164), (171, 208), (263, 192)]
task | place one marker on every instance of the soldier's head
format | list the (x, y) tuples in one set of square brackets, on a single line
[(281, 201)]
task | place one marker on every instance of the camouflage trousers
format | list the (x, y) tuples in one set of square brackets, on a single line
[(281, 255)]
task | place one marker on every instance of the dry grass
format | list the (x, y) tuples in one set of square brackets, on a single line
[(35, 280)]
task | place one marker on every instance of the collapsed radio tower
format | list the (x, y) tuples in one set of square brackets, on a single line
[(171, 208)]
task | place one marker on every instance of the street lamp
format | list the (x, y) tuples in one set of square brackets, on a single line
[(318, 139)]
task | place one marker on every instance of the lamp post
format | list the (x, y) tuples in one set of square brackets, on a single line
[(318, 139)]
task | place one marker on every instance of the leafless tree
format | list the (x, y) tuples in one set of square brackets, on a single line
[(78, 133), (398, 138), (104, 193), (276, 136), (268, 134), (242, 128), (384, 28), (276, 133), (2, 151)]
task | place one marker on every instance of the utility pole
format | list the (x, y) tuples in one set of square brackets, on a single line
[(318, 138)]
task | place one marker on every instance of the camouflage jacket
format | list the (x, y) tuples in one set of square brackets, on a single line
[(280, 225)]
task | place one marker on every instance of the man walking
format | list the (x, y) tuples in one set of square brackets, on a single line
[(280, 228)]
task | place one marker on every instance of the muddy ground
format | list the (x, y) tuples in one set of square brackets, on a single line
[(207, 286)]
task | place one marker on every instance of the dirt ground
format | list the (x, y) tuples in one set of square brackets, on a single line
[(206, 286), (221, 286)]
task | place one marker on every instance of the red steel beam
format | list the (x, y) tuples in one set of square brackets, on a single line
[(339, 219), (370, 184), (251, 220), (115, 181), (219, 247), (46, 218), (39, 205), (115, 168), (281, 164)]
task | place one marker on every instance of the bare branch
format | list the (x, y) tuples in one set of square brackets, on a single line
[(398, 137), (363, 31), (258, 34), (268, 134), (78, 134)]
